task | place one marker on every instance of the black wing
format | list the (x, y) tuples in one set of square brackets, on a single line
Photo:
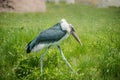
[(51, 35)]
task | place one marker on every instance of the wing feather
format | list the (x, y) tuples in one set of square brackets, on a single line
[(50, 35)]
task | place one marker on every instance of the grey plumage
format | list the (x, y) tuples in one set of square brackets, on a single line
[(50, 35)]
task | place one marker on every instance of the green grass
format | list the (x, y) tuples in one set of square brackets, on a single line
[(97, 59)]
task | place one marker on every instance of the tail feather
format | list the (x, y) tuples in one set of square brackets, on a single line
[(28, 50), (30, 46)]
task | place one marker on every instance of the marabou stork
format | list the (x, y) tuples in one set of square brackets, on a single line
[(50, 37)]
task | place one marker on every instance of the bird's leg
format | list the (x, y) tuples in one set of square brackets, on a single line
[(68, 64), (41, 59)]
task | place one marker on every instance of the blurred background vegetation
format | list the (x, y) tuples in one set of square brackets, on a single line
[(97, 59)]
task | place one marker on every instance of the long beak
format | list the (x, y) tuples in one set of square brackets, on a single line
[(76, 37)]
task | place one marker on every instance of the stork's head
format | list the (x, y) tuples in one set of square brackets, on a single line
[(70, 29)]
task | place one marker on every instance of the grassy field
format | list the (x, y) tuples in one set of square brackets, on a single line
[(97, 59)]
